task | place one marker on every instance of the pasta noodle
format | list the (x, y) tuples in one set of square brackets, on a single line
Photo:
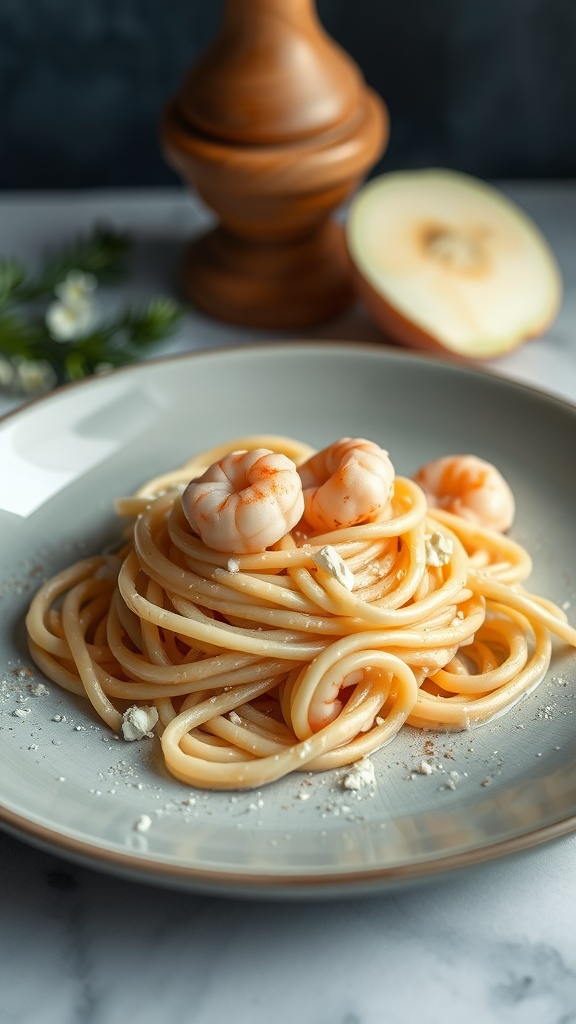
[(260, 663)]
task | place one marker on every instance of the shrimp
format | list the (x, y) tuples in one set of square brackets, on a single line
[(469, 487), (245, 502), (326, 705), (349, 482)]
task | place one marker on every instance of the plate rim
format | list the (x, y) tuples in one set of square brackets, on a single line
[(238, 883), (468, 367)]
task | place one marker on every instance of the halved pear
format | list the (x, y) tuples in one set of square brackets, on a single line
[(444, 260)]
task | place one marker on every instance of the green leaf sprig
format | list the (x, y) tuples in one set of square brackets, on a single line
[(44, 345)]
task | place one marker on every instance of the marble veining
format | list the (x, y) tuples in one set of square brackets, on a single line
[(79, 947), (541, 980)]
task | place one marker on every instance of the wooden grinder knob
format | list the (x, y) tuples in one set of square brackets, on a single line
[(273, 127)]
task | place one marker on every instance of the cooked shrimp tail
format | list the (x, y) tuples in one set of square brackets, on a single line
[(245, 502), (349, 482), (469, 487)]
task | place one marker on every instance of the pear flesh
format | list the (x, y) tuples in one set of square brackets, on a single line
[(443, 260)]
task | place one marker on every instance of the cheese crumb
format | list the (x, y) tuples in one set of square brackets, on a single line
[(359, 775), (439, 549), (138, 722), (328, 559), (233, 565), (143, 823)]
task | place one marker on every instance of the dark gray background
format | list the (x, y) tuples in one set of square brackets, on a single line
[(484, 86)]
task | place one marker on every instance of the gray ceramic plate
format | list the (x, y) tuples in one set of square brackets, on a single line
[(66, 784)]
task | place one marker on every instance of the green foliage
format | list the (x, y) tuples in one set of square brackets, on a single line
[(25, 336)]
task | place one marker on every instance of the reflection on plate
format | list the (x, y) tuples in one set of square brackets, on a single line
[(67, 784)]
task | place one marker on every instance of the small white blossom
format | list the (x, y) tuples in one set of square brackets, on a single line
[(72, 315), (76, 289), (33, 376), (6, 373), (66, 323)]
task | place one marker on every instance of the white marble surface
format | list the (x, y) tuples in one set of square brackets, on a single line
[(495, 944)]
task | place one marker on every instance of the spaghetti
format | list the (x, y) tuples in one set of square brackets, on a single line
[(260, 663)]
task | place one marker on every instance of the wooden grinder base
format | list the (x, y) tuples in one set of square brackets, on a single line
[(286, 284), (274, 127)]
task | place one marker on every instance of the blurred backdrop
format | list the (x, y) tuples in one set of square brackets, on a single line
[(484, 86)]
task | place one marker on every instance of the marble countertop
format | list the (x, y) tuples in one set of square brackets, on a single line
[(494, 944)]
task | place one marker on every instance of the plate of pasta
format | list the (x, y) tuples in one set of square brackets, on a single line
[(288, 620)]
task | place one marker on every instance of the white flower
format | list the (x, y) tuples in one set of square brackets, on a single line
[(76, 289), (72, 315), (6, 372), (66, 323), (33, 376)]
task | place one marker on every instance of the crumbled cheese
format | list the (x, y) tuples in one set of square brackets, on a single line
[(360, 774), (328, 559), (40, 690), (21, 712), (439, 549), (138, 722), (234, 717), (233, 565), (143, 823), (425, 768)]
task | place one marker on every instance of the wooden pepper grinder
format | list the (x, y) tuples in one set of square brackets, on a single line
[(273, 127)]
